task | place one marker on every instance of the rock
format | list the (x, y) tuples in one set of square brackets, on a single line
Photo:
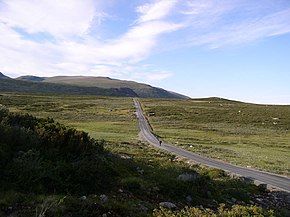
[(104, 198), (126, 157), (234, 175), (168, 205), (83, 198), (188, 177)]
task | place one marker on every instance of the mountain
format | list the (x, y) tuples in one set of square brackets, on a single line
[(141, 90), (2, 76), (31, 78), (14, 85), (82, 85)]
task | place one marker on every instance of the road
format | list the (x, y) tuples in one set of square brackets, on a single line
[(272, 180)]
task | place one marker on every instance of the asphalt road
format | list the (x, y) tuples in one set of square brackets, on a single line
[(272, 180)]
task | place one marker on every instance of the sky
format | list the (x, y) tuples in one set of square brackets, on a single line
[(237, 49)]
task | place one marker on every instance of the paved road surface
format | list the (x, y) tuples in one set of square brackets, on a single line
[(273, 180)]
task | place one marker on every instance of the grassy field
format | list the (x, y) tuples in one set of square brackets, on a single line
[(108, 118), (143, 176), (245, 134)]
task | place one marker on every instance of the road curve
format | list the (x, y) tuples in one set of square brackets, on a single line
[(273, 180)]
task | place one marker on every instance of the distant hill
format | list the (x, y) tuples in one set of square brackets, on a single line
[(14, 85), (30, 78), (217, 99), (2, 76), (83, 85), (141, 90)]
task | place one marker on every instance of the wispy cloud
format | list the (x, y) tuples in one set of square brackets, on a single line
[(223, 23), (156, 10)]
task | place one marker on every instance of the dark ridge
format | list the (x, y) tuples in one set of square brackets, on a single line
[(2, 76), (12, 85), (31, 78)]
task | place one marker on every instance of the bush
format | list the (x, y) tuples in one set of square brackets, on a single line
[(41, 156)]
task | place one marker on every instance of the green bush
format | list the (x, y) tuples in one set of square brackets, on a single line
[(41, 156)]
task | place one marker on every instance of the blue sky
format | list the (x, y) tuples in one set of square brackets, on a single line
[(238, 49)]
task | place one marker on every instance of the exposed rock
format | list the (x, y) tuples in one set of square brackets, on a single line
[(83, 198), (126, 157), (168, 205), (104, 198), (188, 177)]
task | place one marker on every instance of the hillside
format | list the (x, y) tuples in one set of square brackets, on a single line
[(2, 76), (141, 90), (13, 85)]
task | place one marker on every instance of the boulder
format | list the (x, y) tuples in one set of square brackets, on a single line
[(104, 198)]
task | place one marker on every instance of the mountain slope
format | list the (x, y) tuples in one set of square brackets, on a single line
[(13, 85), (30, 78), (141, 90), (2, 76)]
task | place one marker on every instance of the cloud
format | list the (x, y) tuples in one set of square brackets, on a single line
[(66, 45), (52, 37), (64, 18), (155, 11), (225, 23)]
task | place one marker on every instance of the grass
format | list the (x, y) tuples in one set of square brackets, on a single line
[(108, 118), (144, 176), (244, 134)]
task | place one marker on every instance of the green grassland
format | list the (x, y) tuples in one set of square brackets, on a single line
[(108, 118), (53, 170), (245, 134)]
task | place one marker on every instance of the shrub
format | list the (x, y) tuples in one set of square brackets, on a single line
[(42, 156)]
